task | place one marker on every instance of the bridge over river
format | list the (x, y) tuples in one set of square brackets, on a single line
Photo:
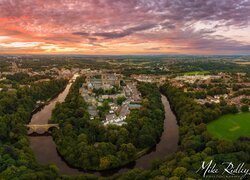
[(40, 128)]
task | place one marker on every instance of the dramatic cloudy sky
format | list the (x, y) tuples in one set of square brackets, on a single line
[(125, 26)]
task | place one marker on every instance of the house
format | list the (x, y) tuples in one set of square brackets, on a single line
[(92, 111)]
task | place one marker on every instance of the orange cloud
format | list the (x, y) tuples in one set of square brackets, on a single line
[(124, 27)]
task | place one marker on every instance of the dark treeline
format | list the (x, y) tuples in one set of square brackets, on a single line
[(89, 144), (212, 66), (16, 158), (4, 65), (24, 78), (38, 63), (153, 71)]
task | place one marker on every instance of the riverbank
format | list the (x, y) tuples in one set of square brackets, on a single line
[(46, 102)]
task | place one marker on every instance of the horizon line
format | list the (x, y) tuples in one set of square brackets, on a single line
[(52, 54)]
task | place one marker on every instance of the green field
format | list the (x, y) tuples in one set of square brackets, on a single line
[(197, 73), (231, 126)]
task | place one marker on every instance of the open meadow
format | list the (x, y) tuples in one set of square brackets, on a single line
[(231, 126)]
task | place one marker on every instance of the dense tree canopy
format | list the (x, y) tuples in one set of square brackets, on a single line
[(24, 78), (16, 158)]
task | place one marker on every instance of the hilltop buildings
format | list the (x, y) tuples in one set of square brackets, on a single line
[(116, 114), (104, 81)]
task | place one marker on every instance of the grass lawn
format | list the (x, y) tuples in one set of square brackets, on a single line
[(197, 73), (231, 126)]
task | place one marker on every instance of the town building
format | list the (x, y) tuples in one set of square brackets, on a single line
[(105, 81)]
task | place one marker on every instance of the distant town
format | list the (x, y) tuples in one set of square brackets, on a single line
[(105, 85)]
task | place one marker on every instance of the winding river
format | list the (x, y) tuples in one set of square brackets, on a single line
[(45, 151)]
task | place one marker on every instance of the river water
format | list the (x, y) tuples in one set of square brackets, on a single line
[(45, 151)]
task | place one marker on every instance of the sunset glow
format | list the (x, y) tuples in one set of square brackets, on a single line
[(125, 26)]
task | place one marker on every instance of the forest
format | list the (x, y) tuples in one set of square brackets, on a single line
[(89, 144), (196, 144), (24, 78), (211, 65), (16, 158)]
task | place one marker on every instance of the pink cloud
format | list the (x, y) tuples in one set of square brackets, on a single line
[(105, 23)]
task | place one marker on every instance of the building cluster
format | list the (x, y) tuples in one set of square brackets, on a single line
[(132, 92), (230, 80), (118, 119), (45, 74), (238, 100), (212, 99), (133, 97), (62, 73), (194, 78), (149, 78), (106, 81)]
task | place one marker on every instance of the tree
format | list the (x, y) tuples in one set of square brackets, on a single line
[(225, 146), (120, 100), (129, 149), (3, 131), (180, 172), (244, 108), (104, 162)]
